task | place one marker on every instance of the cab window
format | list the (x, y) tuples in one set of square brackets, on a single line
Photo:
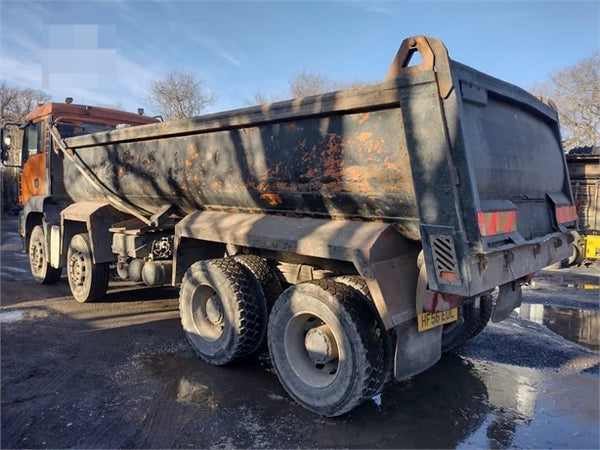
[(78, 129), (32, 140)]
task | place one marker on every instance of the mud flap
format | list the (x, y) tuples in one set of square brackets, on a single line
[(416, 352), (508, 299)]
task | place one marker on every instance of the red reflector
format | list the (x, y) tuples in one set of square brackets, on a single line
[(448, 276), (566, 214), (499, 222)]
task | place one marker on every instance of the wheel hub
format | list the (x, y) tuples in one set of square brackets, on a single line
[(77, 269), (36, 255), (320, 345), (214, 310)]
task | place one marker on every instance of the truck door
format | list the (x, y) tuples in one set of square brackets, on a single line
[(34, 178)]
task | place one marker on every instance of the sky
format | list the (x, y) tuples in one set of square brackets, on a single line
[(107, 53)]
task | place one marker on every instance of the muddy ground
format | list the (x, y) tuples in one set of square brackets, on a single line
[(121, 374)]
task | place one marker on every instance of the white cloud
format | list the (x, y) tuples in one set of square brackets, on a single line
[(235, 56), (376, 7), (21, 72), (134, 79)]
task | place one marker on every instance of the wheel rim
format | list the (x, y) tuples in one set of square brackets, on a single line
[(36, 255), (77, 269), (208, 313), (312, 350)]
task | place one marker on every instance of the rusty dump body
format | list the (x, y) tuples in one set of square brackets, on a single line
[(439, 151), (320, 223)]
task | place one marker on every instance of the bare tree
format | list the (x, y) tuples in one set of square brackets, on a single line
[(179, 95), (576, 92), (261, 98), (304, 84), (16, 103)]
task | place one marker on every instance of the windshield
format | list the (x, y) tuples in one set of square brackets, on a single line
[(77, 129)]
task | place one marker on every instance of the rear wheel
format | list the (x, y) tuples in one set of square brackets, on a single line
[(388, 336), (473, 318), (325, 346), (40, 266), (88, 281), (265, 275), (223, 314)]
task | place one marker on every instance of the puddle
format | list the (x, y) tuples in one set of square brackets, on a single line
[(469, 404), (576, 325), (585, 286), (11, 316), (16, 315)]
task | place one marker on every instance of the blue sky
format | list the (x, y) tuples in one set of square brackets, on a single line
[(107, 53)]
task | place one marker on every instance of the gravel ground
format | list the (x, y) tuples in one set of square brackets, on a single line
[(120, 374)]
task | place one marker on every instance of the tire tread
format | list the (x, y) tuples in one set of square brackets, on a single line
[(252, 309)]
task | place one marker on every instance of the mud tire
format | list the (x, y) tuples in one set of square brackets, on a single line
[(355, 281), (88, 281), (577, 251), (472, 321), (223, 314), (337, 386), (265, 275), (388, 336)]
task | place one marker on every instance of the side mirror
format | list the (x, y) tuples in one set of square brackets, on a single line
[(5, 143)]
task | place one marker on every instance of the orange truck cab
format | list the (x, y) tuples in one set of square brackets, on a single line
[(42, 192)]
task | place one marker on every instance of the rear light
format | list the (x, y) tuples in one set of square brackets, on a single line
[(566, 214), (497, 222), (435, 300)]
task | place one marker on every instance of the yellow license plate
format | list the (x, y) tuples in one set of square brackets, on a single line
[(427, 321)]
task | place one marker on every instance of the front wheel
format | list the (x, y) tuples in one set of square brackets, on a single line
[(88, 281), (325, 346), (41, 269)]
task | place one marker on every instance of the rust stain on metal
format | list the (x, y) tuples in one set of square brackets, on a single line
[(332, 157), (364, 136), (272, 198), (193, 153), (363, 118), (217, 184), (358, 177)]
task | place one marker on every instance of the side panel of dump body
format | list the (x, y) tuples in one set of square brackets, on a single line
[(512, 188), (341, 155)]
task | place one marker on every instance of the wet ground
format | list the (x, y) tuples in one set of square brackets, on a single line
[(121, 374)]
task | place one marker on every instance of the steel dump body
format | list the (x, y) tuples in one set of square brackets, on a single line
[(429, 151), (338, 155)]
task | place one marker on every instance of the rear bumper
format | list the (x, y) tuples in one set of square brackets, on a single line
[(487, 270)]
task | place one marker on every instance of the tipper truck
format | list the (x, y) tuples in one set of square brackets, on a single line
[(359, 233)]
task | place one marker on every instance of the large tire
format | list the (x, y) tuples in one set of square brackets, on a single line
[(482, 314), (325, 346), (577, 251), (355, 281), (39, 264), (265, 275), (472, 320), (88, 281), (223, 315), (388, 336)]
